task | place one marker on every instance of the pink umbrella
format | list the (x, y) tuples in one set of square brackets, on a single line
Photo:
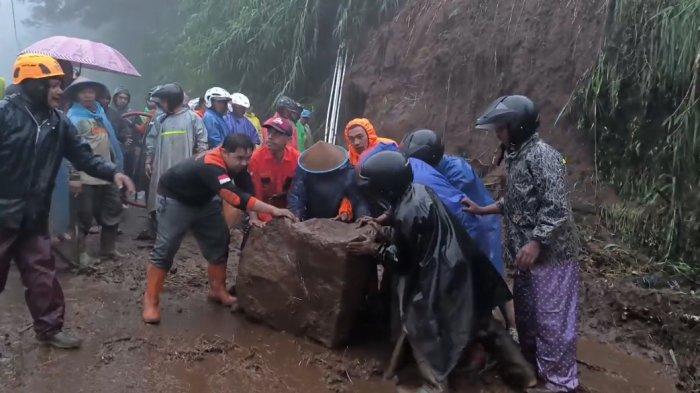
[(89, 54)]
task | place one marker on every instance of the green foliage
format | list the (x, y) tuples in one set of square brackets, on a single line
[(641, 108), (265, 48)]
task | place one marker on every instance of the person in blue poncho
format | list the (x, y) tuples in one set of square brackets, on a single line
[(216, 100), (482, 231), (236, 120), (453, 178), (96, 198)]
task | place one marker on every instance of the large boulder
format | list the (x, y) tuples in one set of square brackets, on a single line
[(298, 277)]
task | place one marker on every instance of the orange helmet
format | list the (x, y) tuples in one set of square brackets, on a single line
[(35, 66)]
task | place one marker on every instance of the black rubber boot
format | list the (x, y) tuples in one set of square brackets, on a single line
[(148, 233), (61, 340), (108, 243), (513, 367), (85, 260)]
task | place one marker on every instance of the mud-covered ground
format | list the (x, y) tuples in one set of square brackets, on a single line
[(201, 347)]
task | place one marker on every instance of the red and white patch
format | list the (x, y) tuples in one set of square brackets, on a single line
[(223, 179)]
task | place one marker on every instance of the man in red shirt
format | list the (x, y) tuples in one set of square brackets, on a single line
[(273, 166)]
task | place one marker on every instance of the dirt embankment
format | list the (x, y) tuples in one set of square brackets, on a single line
[(438, 64)]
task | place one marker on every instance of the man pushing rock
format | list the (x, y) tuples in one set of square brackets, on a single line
[(189, 198)]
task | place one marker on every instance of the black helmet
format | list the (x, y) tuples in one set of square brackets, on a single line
[(425, 145), (286, 102), (518, 113), (385, 176), (170, 93)]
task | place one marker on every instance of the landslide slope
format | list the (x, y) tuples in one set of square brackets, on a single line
[(438, 64)]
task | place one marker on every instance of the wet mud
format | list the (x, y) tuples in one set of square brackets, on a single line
[(202, 347)]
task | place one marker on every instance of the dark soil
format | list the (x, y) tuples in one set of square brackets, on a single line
[(438, 64), (202, 347)]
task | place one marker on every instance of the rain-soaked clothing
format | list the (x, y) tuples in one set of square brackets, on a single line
[(30, 164), (86, 119), (374, 145), (546, 309), (189, 198), (304, 139), (175, 219), (463, 177), (256, 123), (31, 251), (272, 179), (444, 284), (32, 151), (216, 126), (536, 204), (536, 207), (59, 217), (241, 125), (127, 129), (372, 139), (172, 139), (197, 180), (100, 198), (319, 193), (477, 227)]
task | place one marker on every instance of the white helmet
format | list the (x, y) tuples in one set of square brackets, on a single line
[(216, 94), (240, 99), (193, 103)]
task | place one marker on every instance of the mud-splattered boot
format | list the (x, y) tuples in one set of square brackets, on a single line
[(155, 277), (85, 261), (149, 232), (61, 340), (108, 243), (513, 367), (217, 286)]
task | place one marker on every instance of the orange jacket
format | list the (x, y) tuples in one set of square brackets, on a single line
[(372, 140), (271, 178)]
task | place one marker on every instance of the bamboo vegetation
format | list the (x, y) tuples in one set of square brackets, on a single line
[(641, 107), (268, 47)]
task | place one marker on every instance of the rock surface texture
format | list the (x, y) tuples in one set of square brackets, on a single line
[(299, 278)]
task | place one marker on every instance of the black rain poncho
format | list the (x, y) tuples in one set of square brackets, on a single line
[(444, 283)]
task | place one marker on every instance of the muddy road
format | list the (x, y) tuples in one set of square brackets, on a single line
[(201, 347)]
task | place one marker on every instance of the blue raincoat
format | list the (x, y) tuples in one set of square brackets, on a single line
[(318, 194), (77, 112), (477, 227), (59, 215), (60, 198), (217, 129), (485, 230), (462, 176), (241, 125)]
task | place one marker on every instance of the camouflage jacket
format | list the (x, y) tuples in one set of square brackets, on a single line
[(536, 204)]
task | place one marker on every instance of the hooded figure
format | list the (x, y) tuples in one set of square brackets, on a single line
[(361, 144), (355, 150), (323, 179), (445, 287), (121, 104), (453, 179), (96, 198), (79, 113)]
